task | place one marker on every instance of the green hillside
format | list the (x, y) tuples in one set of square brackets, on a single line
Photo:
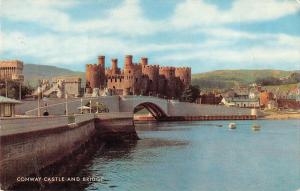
[(224, 79), (219, 79), (34, 72)]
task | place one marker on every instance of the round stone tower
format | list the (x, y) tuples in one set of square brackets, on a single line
[(87, 75), (143, 63), (128, 83), (152, 71), (92, 74), (114, 66), (184, 74), (101, 70)]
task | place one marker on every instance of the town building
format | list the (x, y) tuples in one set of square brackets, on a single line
[(7, 106), (11, 70), (137, 78), (241, 102), (265, 97), (60, 87)]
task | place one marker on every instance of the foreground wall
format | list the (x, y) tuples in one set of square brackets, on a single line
[(24, 153), (31, 144)]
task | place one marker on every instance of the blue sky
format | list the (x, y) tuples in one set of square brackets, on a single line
[(203, 34)]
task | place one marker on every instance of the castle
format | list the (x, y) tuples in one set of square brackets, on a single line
[(137, 78)]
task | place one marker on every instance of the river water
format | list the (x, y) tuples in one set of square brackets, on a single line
[(183, 156)]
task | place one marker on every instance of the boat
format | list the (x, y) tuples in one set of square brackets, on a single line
[(256, 127), (232, 126)]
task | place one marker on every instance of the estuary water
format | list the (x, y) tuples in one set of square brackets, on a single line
[(183, 156)]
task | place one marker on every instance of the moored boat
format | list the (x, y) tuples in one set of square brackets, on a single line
[(232, 126), (256, 127)]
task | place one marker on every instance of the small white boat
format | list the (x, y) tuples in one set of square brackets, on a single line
[(232, 126), (256, 127)]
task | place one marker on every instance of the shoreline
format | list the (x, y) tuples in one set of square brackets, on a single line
[(281, 116)]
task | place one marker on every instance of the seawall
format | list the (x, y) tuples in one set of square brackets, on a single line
[(29, 146)]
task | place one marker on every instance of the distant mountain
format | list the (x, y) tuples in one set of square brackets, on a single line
[(34, 72), (224, 79)]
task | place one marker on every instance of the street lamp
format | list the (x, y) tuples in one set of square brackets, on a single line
[(81, 106), (20, 91), (90, 106), (97, 105), (39, 91), (66, 96), (6, 90)]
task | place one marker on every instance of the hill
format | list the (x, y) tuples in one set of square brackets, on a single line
[(219, 79), (224, 79), (34, 72)]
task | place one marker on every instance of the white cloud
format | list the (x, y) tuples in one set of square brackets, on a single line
[(125, 19), (67, 50), (53, 49), (255, 55), (192, 13), (46, 13), (80, 41)]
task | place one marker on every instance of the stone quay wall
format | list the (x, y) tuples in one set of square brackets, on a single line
[(31, 144)]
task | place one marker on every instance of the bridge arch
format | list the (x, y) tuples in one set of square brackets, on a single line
[(156, 111)]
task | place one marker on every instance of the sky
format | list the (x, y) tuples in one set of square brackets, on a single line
[(203, 34)]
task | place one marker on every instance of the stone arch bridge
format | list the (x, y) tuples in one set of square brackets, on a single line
[(158, 107)]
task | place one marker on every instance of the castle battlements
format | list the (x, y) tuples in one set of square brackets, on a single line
[(138, 78)]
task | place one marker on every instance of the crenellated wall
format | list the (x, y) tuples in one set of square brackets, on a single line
[(184, 74), (140, 78)]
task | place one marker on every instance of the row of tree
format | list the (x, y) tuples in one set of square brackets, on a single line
[(267, 81), (12, 88), (190, 94)]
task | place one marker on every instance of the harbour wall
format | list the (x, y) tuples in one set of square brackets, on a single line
[(30, 145)]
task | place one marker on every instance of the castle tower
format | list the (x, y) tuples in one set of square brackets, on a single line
[(128, 85), (87, 75), (101, 60), (92, 76), (143, 63), (128, 61), (114, 66), (170, 81), (152, 71), (184, 74), (101, 66)]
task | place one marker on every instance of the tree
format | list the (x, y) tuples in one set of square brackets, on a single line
[(13, 89), (190, 94), (267, 81)]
